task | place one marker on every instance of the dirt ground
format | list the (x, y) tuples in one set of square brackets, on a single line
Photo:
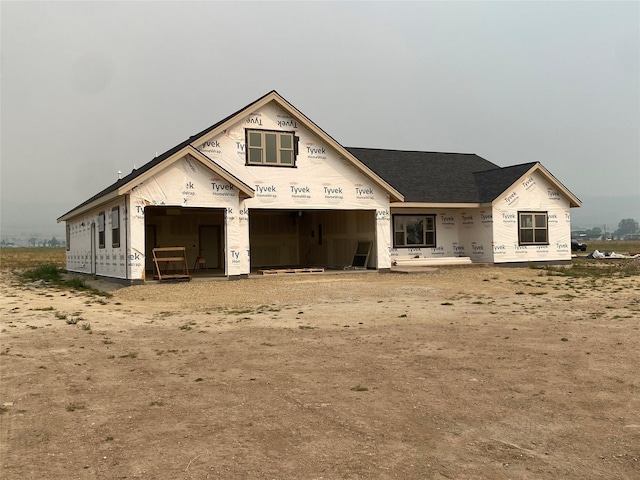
[(458, 373)]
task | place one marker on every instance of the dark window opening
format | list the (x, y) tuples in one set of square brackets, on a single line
[(414, 230), (101, 226)]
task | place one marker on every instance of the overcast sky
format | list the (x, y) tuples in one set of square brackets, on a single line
[(90, 88)]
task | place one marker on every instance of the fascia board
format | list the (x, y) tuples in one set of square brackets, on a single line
[(308, 123), (438, 205), (573, 200), (89, 206)]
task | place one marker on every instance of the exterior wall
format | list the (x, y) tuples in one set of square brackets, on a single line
[(109, 261), (321, 180), (476, 234), (447, 224), (79, 246), (459, 233), (535, 193), (490, 234)]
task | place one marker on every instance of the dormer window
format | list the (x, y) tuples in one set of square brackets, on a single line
[(270, 147)]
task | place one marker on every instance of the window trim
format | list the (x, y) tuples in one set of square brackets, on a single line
[(533, 228), (115, 227), (424, 216), (279, 149), (101, 230)]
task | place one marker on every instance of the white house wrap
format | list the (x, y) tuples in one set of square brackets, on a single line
[(267, 188)]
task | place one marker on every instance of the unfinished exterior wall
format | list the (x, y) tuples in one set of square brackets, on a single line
[(533, 194), (87, 254), (476, 234), (491, 234)]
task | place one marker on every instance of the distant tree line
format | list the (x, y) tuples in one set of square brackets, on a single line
[(627, 228), (35, 242)]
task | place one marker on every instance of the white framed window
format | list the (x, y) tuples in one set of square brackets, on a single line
[(68, 236), (414, 230), (115, 227), (533, 228), (271, 147), (101, 227)]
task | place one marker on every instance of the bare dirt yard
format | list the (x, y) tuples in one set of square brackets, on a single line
[(457, 373)]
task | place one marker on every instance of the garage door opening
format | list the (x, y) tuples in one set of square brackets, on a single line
[(199, 230), (309, 238)]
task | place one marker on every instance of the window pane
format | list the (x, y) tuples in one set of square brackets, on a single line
[(115, 217), (541, 221), (526, 221), (398, 224), (399, 239), (286, 157), (255, 155), (526, 236), (429, 223), (415, 232), (541, 236), (430, 239), (286, 141), (255, 139), (271, 152)]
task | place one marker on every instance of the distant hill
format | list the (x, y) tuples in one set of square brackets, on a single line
[(25, 219), (600, 211)]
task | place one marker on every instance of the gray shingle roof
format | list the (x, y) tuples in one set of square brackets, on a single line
[(433, 177)]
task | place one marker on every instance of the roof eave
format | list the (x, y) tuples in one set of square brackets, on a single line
[(440, 205)]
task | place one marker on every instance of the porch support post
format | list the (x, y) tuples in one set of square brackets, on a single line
[(383, 239)]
